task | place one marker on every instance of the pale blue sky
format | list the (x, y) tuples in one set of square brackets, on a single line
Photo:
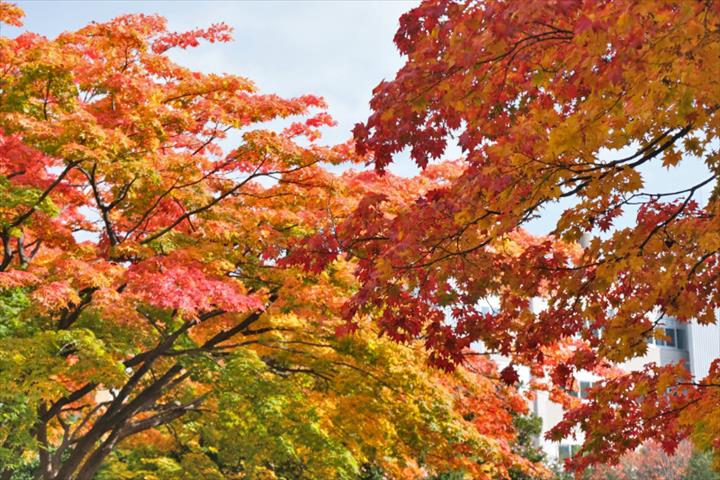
[(337, 49)]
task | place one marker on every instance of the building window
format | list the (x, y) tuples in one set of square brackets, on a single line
[(674, 337), (584, 387), (681, 335), (567, 451), (675, 334), (670, 337), (582, 391)]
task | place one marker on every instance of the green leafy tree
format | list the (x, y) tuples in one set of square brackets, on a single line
[(529, 428)]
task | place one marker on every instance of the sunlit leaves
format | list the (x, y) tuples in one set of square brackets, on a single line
[(553, 103), (155, 321)]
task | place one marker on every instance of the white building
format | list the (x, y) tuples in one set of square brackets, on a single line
[(697, 345)]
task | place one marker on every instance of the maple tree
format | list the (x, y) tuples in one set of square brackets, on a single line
[(649, 462), (152, 324), (553, 102), (367, 403), (652, 462), (700, 467)]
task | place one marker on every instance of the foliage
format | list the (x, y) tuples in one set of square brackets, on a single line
[(283, 423), (151, 325), (651, 462), (648, 462), (528, 428), (700, 467), (566, 104)]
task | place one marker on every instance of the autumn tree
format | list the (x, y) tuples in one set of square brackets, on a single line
[(648, 462), (528, 429), (652, 462), (700, 467), (363, 404), (563, 103), (150, 323)]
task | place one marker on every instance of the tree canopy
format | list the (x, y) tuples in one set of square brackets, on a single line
[(188, 292), (565, 103), (150, 325)]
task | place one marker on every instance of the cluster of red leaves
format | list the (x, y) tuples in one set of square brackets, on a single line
[(173, 284), (218, 32)]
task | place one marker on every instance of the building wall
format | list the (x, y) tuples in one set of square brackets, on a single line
[(698, 350), (704, 348)]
